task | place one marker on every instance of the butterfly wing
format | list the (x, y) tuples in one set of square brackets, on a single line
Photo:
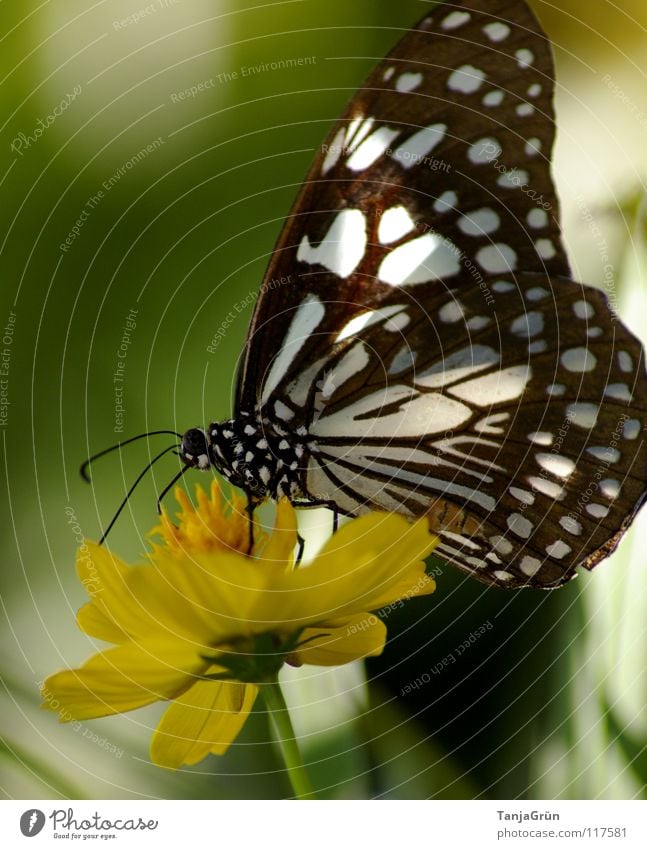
[(517, 428), (417, 321), (439, 168)]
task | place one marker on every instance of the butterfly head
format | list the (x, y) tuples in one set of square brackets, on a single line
[(196, 450)]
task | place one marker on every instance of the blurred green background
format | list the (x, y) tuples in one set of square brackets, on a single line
[(170, 205)]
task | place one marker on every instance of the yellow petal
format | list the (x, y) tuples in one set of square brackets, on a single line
[(123, 678), (279, 549), (366, 565), (206, 719), (360, 636)]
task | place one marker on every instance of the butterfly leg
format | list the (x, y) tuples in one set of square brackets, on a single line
[(301, 544), (335, 520), (251, 506)]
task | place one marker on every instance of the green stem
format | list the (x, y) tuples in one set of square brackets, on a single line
[(278, 710)]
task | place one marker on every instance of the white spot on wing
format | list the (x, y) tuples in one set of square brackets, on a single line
[(545, 248), (540, 437), (446, 201), (610, 488), (519, 525), (533, 147), (408, 82), (496, 259), (366, 319), (537, 218), (631, 429), (583, 414), (513, 178), (494, 98), (416, 414), (625, 362), (306, 319), (530, 566), (558, 549), (505, 385), (343, 246), (480, 222), (604, 453), (598, 511), (428, 257), (578, 360), (467, 79), (546, 487), (451, 312), (458, 366), (335, 150), (394, 224), (525, 58), (571, 525), (484, 150), (528, 325), (497, 31), (371, 149), (455, 20), (618, 391), (556, 464)]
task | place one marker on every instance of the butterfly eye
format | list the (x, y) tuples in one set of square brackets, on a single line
[(195, 448)]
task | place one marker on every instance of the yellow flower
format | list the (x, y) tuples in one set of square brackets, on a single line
[(203, 623)]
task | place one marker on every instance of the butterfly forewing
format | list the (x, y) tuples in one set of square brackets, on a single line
[(428, 351), (439, 167)]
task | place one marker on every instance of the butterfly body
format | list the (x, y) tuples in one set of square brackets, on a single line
[(425, 349)]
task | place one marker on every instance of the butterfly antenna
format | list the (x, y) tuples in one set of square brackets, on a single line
[(132, 489), (84, 466), (170, 486)]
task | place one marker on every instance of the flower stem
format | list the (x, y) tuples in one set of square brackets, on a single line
[(278, 710)]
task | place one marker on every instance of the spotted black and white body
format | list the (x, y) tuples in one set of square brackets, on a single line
[(428, 351)]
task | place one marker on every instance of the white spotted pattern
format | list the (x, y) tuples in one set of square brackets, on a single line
[(484, 150)]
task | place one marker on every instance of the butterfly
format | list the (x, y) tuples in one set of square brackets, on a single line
[(419, 345)]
